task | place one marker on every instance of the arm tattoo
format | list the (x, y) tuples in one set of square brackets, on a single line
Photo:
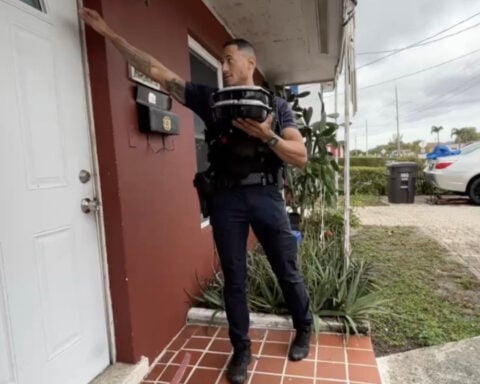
[(140, 60), (176, 89)]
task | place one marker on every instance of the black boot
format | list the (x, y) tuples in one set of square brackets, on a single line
[(238, 365), (301, 345)]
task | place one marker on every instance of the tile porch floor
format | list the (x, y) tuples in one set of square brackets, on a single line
[(332, 359)]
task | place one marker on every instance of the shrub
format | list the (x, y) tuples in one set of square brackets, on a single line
[(365, 162), (367, 180)]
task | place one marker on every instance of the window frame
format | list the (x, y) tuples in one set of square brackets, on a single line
[(195, 47)]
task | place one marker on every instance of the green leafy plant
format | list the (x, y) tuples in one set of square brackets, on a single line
[(317, 181)]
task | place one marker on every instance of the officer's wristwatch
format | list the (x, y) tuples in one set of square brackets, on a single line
[(272, 141)]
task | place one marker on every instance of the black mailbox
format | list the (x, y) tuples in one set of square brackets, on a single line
[(154, 112)]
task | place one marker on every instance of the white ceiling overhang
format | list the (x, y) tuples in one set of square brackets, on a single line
[(297, 41)]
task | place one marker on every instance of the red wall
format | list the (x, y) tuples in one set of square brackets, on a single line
[(154, 241)]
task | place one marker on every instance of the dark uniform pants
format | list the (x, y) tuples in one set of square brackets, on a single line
[(232, 212)]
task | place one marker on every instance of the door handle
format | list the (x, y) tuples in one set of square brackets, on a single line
[(89, 205)]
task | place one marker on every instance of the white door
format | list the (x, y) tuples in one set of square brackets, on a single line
[(53, 326)]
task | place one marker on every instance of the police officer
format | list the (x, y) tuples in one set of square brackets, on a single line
[(241, 201)]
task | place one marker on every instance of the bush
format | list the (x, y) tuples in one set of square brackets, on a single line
[(368, 180), (365, 162), (373, 181)]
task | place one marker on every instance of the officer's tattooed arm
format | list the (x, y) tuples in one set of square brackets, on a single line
[(142, 61)]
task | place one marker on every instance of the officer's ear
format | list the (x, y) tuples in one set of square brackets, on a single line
[(252, 62)]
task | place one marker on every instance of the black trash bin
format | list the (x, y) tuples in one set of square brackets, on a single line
[(401, 182)]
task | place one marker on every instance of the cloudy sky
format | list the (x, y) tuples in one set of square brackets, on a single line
[(448, 95)]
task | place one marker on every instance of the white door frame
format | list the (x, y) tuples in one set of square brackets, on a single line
[(100, 222)]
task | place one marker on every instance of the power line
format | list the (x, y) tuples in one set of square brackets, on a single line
[(408, 116), (453, 92), (447, 98), (421, 70), (406, 75), (418, 42), (422, 44)]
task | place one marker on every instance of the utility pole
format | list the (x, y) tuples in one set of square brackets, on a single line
[(398, 123), (366, 137)]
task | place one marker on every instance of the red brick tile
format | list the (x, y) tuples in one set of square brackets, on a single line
[(194, 357), (270, 365), (321, 381), (200, 343), (311, 352), (356, 356), (331, 354), (256, 347), (213, 360), (223, 379), (301, 368), (204, 376), (275, 349), (205, 331), (279, 335), (257, 333), (261, 378), (330, 340), (297, 380), (363, 342), (223, 333), (178, 342), (364, 374), (170, 372), (189, 330), (155, 372), (166, 357), (331, 371), (220, 345)]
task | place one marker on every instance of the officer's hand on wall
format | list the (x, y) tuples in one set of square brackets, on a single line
[(94, 20), (262, 131)]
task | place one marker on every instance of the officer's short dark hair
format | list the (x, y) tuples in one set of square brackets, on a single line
[(242, 44)]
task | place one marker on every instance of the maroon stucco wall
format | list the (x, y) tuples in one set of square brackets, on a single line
[(154, 241)]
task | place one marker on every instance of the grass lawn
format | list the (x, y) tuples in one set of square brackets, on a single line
[(433, 298), (359, 200)]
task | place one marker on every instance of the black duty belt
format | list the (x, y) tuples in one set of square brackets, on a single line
[(257, 178)]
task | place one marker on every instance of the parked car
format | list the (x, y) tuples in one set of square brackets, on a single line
[(458, 173)]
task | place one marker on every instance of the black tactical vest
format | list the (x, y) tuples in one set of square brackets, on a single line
[(234, 155)]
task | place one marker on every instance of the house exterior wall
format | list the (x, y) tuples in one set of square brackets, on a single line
[(155, 244)]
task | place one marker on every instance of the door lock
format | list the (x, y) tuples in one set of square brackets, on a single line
[(89, 205)]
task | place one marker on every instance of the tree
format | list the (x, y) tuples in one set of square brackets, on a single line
[(437, 129), (465, 135)]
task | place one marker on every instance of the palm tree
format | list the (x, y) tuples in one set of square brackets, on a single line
[(437, 130), (465, 135)]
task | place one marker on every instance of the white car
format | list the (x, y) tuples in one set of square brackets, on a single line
[(457, 173)]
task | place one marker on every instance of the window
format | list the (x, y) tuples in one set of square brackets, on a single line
[(204, 69), (33, 3)]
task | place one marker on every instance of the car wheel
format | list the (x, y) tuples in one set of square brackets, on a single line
[(474, 191)]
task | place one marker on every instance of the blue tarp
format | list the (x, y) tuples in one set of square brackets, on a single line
[(441, 150)]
